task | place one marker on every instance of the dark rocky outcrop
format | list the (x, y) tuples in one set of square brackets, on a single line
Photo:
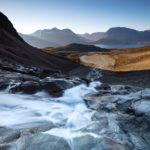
[(123, 117), (54, 85), (27, 87), (80, 48), (7, 26)]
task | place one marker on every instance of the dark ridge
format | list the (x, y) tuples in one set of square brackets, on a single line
[(81, 48), (8, 26)]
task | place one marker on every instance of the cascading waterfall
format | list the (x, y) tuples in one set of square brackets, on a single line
[(94, 74), (68, 112)]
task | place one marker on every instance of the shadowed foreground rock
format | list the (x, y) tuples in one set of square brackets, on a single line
[(120, 121), (27, 84), (38, 142), (41, 142), (123, 114)]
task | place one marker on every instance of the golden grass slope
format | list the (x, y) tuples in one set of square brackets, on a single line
[(131, 59)]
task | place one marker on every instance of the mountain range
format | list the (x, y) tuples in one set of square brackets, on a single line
[(122, 35), (37, 42), (55, 37)]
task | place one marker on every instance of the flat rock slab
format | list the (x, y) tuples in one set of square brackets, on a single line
[(8, 135), (41, 142)]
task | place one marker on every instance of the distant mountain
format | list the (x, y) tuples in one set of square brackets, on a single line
[(122, 35), (60, 37), (92, 37), (37, 42)]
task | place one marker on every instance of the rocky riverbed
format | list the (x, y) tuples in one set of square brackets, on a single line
[(69, 113)]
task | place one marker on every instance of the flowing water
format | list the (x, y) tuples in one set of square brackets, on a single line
[(68, 112)]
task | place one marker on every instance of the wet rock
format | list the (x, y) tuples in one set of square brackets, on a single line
[(27, 87), (55, 87), (28, 84), (92, 74), (136, 130), (7, 146), (35, 127), (123, 89), (86, 142), (17, 82), (4, 84), (30, 87), (98, 116), (127, 112), (96, 126), (42, 142), (89, 142), (96, 102), (106, 143), (145, 94), (103, 86), (8, 135)]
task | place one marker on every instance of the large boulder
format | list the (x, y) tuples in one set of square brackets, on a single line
[(4, 83), (85, 142), (35, 127), (103, 86), (8, 135), (55, 87), (27, 87), (88, 142), (123, 115), (9, 138), (18, 82), (41, 142)]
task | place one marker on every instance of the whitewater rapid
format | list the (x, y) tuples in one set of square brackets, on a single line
[(68, 111)]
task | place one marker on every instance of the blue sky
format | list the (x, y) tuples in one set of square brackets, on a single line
[(79, 15)]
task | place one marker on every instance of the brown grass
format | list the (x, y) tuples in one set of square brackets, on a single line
[(125, 60), (117, 60)]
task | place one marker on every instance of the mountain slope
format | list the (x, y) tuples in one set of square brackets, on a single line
[(60, 37), (37, 42), (122, 35), (15, 54)]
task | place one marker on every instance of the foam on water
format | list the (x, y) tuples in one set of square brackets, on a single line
[(69, 110)]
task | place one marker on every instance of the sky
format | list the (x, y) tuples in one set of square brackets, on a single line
[(80, 16)]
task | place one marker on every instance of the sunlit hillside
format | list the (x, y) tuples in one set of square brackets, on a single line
[(120, 60), (116, 60)]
